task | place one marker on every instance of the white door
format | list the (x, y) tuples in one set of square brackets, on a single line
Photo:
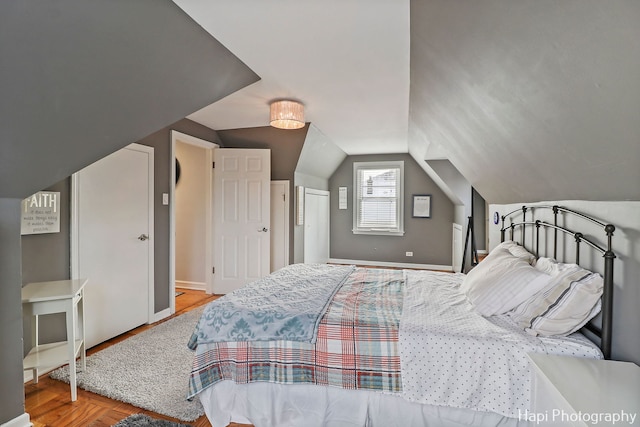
[(279, 224), (316, 226), (241, 208), (113, 241)]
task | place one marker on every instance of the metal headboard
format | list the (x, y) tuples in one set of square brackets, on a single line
[(604, 331)]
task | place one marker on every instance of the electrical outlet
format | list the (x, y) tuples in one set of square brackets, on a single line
[(409, 253)]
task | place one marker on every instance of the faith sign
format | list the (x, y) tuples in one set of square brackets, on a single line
[(41, 213)]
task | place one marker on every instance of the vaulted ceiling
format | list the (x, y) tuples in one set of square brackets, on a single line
[(528, 100)]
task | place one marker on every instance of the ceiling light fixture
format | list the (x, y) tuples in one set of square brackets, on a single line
[(287, 114)]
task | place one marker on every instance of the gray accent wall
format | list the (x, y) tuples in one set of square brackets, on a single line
[(83, 78), (430, 239), (47, 257), (80, 80), (11, 383)]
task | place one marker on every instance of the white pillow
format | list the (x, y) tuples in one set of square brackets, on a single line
[(553, 267), (571, 300), (502, 282), (517, 251)]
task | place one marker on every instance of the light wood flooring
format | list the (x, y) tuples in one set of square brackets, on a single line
[(49, 402)]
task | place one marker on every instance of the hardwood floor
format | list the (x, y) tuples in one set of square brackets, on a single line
[(49, 402)]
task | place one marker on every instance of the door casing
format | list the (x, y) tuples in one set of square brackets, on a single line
[(209, 146)]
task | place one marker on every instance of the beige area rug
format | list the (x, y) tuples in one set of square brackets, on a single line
[(149, 370)]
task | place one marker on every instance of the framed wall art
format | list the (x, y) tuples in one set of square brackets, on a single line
[(421, 206)]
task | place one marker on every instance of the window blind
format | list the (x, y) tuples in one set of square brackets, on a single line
[(378, 197)]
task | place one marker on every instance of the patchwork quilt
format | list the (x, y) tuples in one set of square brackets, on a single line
[(285, 305), (355, 347)]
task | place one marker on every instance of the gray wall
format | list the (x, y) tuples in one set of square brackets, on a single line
[(11, 377), (500, 85), (161, 142), (626, 244), (285, 146), (47, 257), (428, 238), (82, 78)]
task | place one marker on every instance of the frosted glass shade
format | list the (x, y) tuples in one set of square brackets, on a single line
[(287, 115)]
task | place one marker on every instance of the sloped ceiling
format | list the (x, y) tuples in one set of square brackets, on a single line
[(530, 100), (83, 78), (347, 61), (320, 157)]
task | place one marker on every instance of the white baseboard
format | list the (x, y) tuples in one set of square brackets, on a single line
[(20, 421), (197, 286), (391, 264)]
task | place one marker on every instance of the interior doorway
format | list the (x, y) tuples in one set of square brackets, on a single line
[(190, 206)]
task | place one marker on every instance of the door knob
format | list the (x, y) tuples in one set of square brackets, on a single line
[(264, 230), (143, 237)]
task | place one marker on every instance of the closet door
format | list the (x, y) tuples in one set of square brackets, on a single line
[(112, 242), (279, 224), (316, 226)]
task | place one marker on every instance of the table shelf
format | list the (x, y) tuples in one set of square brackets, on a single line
[(60, 296), (50, 355)]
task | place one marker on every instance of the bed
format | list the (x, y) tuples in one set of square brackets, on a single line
[(328, 345)]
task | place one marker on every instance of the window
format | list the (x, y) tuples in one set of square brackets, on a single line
[(378, 198)]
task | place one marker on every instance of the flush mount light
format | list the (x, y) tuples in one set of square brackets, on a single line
[(287, 114)]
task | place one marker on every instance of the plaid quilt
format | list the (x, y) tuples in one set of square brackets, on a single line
[(356, 348)]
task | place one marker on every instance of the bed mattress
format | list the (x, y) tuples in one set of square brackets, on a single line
[(390, 340)]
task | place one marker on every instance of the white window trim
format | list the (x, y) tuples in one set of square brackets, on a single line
[(379, 165)]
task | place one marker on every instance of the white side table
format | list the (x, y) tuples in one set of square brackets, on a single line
[(61, 296), (575, 391)]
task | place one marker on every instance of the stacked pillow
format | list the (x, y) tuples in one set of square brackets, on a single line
[(566, 305), (547, 299), (503, 280)]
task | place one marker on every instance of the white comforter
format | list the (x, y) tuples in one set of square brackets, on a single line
[(452, 356)]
